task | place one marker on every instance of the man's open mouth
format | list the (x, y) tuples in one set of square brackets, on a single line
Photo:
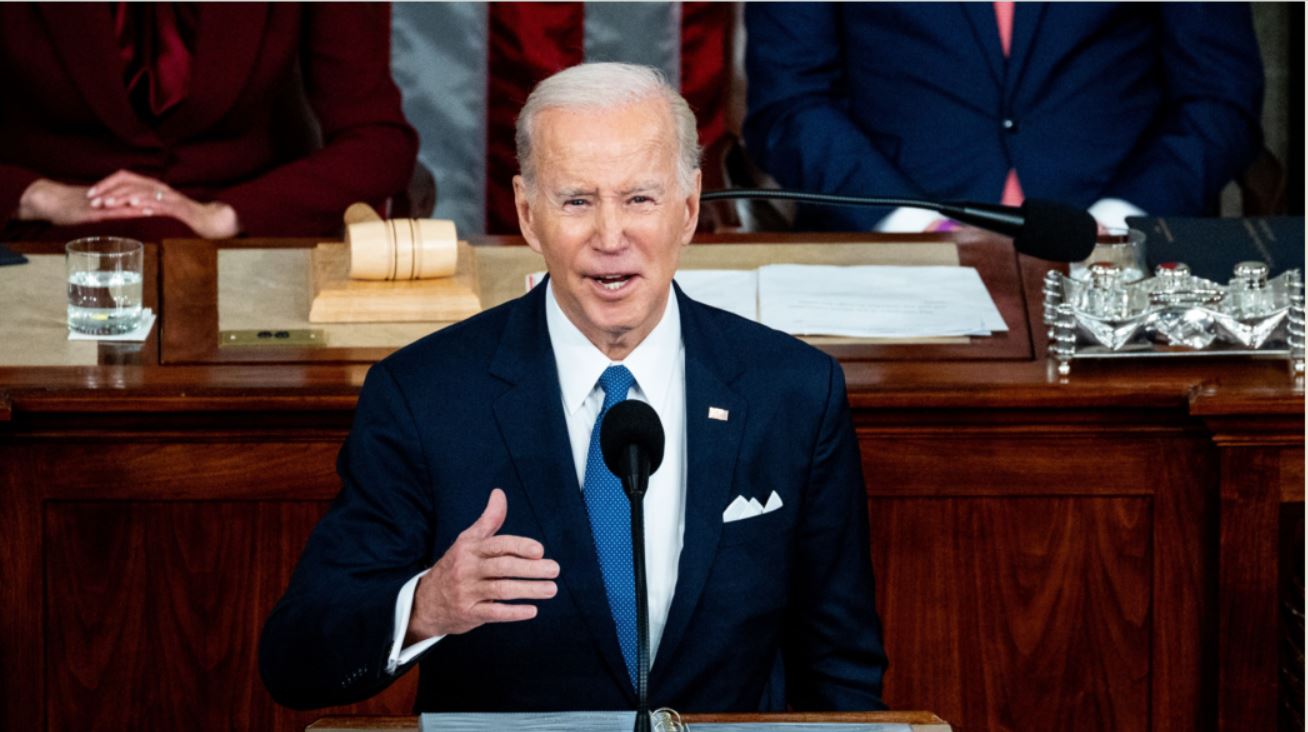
[(613, 282)]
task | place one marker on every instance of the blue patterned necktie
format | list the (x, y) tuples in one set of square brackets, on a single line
[(610, 522)]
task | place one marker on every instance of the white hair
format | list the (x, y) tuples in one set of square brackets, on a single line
[(608, 86)]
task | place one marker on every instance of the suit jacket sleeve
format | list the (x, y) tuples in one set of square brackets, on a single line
[(1211, 126), (328, 639), (834, 654), (798, 127), (368, 148)]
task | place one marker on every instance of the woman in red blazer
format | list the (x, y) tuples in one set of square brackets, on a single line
[(175, 119)]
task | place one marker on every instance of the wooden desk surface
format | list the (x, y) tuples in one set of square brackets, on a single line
[(881, 377), (190, 289)]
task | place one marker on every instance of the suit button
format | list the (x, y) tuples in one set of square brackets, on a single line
[(1010, 125)]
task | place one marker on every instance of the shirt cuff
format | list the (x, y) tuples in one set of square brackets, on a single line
[(403, 607), (905, 220), (1111, 213)]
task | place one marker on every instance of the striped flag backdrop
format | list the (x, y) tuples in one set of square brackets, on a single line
[(466, 68)]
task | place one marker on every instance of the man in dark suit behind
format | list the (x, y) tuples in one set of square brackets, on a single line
[(1119, 108), (472, 530)]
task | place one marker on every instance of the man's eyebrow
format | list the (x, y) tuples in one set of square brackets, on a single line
[(574, 192), (648, 187)]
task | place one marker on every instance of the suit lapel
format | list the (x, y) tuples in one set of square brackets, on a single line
[(712, 448), (1026, 26), (84, 37), (530, 418), (228, 39), (985, 29)]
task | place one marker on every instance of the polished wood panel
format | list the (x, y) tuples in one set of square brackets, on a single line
[(155, 606), (1248, 584), (1260, 441), (165, 560), (190, 325), (1184, 596), (1291, 472), (22, 617), (1292, 600), (912, 463), (1166, 472), (199, 470), (993, 630)]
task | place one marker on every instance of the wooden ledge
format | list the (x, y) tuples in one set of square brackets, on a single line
[(918, 721)]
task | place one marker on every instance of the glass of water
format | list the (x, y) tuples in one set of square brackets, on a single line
[(104, 284), (1121, 247)]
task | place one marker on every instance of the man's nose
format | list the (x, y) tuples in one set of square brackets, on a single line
[(609, 227)]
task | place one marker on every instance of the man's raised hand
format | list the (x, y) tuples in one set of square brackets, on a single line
[(470, 584)]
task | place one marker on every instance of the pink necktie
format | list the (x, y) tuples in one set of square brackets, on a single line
[(1004, 17)]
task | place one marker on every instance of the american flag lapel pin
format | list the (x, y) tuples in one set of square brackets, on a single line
[(718, 413)]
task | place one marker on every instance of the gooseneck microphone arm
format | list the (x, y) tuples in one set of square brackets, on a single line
[(1006, 220), (831, 199), (1041, 228)]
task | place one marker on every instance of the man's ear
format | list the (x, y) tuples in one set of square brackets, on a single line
[(522, 201), (692, 209)]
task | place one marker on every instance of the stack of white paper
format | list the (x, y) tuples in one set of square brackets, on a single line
[(876, 301), (733, 290)]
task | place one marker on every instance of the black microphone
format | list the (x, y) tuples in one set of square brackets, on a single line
[(631, 440), (1041, 228)]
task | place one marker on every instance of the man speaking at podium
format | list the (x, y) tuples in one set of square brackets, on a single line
[(477, 529)]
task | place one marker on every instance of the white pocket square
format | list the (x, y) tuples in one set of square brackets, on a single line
[(743, 508)]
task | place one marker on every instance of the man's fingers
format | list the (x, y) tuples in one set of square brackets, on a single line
[(512, 589), (516, 567), (497, 508), (499, 612), (510, 545)]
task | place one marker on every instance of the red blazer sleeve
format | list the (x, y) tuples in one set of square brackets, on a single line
[(368, 148), (13, 181)]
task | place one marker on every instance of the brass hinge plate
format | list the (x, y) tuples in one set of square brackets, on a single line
[(301, 338)]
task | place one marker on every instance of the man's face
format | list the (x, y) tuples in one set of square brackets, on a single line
[(608, 216)]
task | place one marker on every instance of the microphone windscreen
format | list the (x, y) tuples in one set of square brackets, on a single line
[(628, 423), (1056, 231)]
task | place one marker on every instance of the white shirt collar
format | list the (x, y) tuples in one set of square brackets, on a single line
[(653, 362)]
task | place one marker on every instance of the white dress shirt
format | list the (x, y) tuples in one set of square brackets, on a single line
[(658, 364)]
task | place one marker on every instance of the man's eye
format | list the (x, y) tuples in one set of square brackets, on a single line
[(574, 202), (641, 199)]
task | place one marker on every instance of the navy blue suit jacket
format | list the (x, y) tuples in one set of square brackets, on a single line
[(769, 610), (1157, 104)]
